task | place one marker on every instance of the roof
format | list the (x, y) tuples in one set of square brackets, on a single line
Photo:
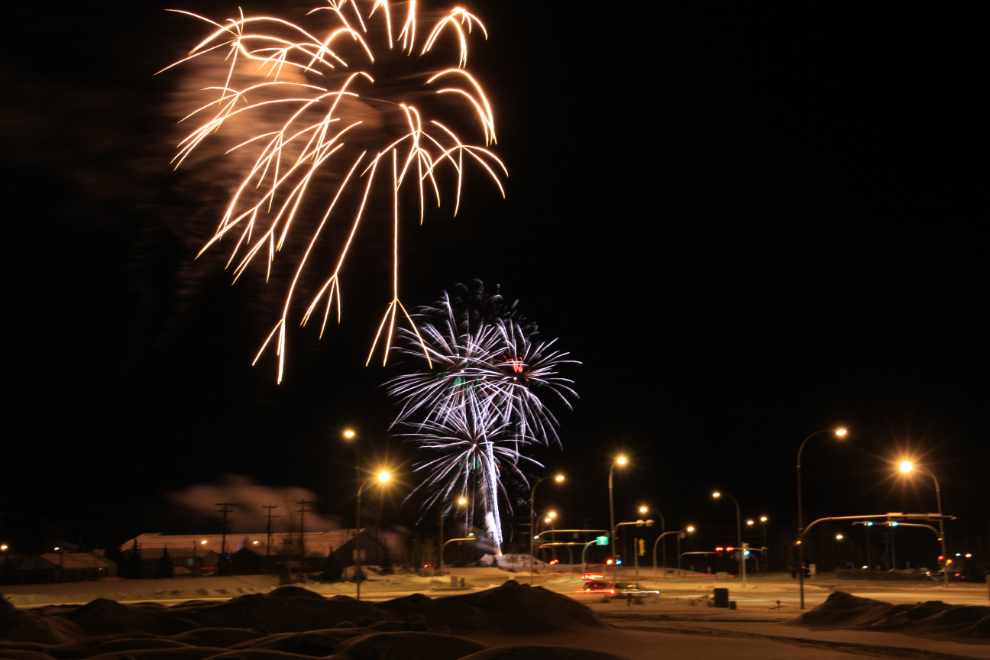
[(322, 543), (66, 561)]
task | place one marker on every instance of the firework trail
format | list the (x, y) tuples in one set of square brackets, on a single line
[(343, 126), (480, 407), (470, 453)]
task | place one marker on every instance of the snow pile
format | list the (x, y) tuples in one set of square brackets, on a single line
[(517, 562), (292, 622), (929, 619)]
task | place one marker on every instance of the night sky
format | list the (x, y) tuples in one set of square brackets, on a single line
[(746, 227)]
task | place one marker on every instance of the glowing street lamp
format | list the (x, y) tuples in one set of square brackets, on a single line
[(461, 502), (906, 468), (742, 552), (766, 550), (532, 520), (680, 534), (620, 460), (839, 433), (382, 478), (643, 509)]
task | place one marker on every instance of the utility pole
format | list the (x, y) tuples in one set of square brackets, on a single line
[(268, 553), (226, 508), (302, 528)]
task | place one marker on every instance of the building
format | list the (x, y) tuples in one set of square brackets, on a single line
[(66, 567), (188, 551)]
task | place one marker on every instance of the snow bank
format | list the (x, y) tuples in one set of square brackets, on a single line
[(539, 652), (929, 619), (293, 622)]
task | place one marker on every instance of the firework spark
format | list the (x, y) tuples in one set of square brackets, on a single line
[(335, 110), (482, 405), (470, 453), (489, 357)]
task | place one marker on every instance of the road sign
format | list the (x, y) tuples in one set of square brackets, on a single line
[(602, 540)]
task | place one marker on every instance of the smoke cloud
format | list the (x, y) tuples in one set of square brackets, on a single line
[(249, 516)]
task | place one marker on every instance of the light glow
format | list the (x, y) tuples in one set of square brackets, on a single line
[(841, 432), (906, 466), (384, 476), (621, 460)]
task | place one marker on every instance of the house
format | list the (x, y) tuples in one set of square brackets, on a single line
[(67, 567)]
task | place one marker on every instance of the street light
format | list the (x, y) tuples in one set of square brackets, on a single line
[(382, 477), (839, 433), (461, 501), (908, 466), (532, 521), (742, 552), (351, 436), (620, 460), (680, 533), (766, 550), (643, 509)]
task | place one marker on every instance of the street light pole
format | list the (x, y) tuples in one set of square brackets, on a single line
[(907, 466), (621, 460), (663, 534), (742, 553), (532, 521), (800, 546), (461, 501), (766, 550), (382, 477)]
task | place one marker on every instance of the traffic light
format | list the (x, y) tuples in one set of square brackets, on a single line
[(642, 547)]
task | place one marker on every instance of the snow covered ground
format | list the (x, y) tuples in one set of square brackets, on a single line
[(679, 624)]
